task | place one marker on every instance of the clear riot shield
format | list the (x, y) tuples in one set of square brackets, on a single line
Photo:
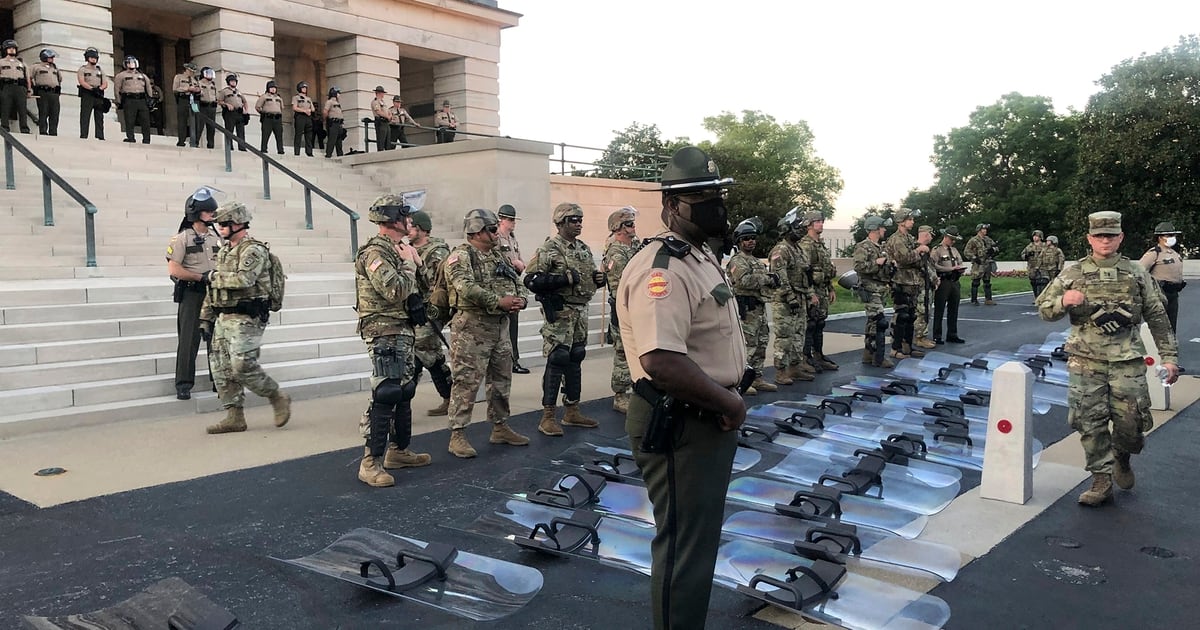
[(774, 495), (170, 603)]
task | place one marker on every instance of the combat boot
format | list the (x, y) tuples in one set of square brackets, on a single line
[(883, 363), (750, 391), (810, 364), (763, 386), (459, 446), (234, 421), (989, 302), (924, 342), (803, 366), (282, 404), (868, 357), (1123, 472), (575, 418), (396, 457), (798, 373), (781, 376), (548, 425), (503, 434), (897, 354), (824, 363), (911, 351), (621, 402), (441, 409), (1100, 491), (372, 473)]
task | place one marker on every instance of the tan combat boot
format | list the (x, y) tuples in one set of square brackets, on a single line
[(281, 403), (824, 363), (441, 409), (913, 352), (233, 422), (798, 373), (371, 473), (868, 357), (575, 418), (885, 363), (989, 302), (781, 376), (1100, 491), (459, 446), (548, 425), (803, 366), (1123, 472), (621, 402), (396, 457), (503, 434), (763, 386), (924, 342)]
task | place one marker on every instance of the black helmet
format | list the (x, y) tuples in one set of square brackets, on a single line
[(691, 169), (208, 73), (793, 221), (130, 59), (200, 201), (91, 53), (47, 54), (334, 91), (301, 85), (749, 227), (230, 78), (9, 43), (271, 84)]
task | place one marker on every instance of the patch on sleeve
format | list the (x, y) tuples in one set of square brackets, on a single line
[(170, 250), (658, 286), (451, 260), (610, 265), (375, 265)]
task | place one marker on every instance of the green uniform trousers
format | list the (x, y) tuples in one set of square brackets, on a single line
[(687, 488), (134, 112), (187, 326), (302, 134), (12, 104), (272, 125), (48, 110), (90, 107)]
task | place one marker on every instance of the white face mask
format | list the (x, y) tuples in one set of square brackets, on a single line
[(1171, 240)]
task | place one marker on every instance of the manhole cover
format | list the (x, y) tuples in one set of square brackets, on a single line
[(1158, 552), (50, 472), (1072, 573), (1063, 541)]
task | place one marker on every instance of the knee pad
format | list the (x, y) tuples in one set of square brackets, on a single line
[(393, 392), (578, 352), (560, 356)]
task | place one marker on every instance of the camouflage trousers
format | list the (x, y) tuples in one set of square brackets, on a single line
[(1101, 393), (873, 305), (235, 344), (391, 357), (921, 325), (789, 334), (757, 334), (621, 381), (570, 327), (480, 350), (427, 346)]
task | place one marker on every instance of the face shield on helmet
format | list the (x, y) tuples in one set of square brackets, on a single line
[(90, 54), (203, 200), (746, 229), (9, 44), (47, 54), (230, 79), (131, 62), (208, 73)]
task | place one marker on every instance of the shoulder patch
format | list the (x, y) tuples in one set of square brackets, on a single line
[(170, 250), (375, 265), (658, 285), (452, 259)]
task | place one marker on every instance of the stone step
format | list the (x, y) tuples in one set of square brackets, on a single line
[(143, 288), (21, 272)]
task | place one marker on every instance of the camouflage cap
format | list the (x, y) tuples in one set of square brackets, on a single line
[(566, 209), (478, 219), (1166, 227), (421, 219), (1038, 233), (873, 222), (628, 213), (388, 208), (952, 232), (507, 212), (1107, 222), (925, 228), (234, 211)]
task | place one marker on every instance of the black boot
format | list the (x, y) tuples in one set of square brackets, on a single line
[(440, 375)]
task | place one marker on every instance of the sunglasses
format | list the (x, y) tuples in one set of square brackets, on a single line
[(225, 223), (627, 224), (492, 228), (750, 238), (574, 219)]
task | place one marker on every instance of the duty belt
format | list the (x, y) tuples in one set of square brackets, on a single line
[(44, 88), (134, 96), (271, 116), (336, 120), (4, 81)]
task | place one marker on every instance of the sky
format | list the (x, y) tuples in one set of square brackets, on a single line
[(875, 81)]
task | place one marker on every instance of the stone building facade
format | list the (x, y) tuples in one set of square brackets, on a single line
[(426, 51)]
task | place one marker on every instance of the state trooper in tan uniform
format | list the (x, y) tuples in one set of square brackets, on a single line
[(207, 99), (379, 109), (191, 259), (1165, 265), (14, 87), (446, 123), (398, 119), (679, 324), (47, 85), (507, 245), (186, 88), (92, 85), (270, 113), (302, 121), (333, 123), (133, 89), (233, 109)]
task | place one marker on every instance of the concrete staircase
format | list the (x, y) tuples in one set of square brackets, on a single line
[(83, 346)]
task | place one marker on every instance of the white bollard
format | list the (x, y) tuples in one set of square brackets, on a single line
[(1008, 455), (1160, 394)]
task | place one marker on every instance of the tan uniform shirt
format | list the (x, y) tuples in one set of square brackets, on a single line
[(445, 119), (269, 104), (13, 69), (399, 116), (194, 251), (333, 109), (231, 99), (508, 246), (208, 92), (379, 108), (46, 74), (301, 104), (132, 82), (688, 308), (946, 259), (1164, 264), (91, 76), (185, 83)]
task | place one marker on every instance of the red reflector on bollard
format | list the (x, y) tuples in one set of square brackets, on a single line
[(1149, 360), (1004, 425)]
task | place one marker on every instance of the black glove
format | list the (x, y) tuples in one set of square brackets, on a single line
[(794, 307), (206, 330), (120, 105), (206, 277), (572, 277), (599, 279), (773, 280), (98, 93)]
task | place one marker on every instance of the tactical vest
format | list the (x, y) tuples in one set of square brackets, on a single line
[(1112, 289), (577, 258), (751, 266), (378, 316), (229, 260), (491, 271)]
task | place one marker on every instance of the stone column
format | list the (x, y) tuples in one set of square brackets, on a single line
[(473, 89), (170, 65), (68, 27), (356, 65), (241, 43)]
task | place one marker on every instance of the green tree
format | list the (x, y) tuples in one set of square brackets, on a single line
[(776, 168), (1140, 146), (638, 153), (1011, 166)]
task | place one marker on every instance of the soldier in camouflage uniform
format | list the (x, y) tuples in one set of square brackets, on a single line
[(564, 276), (389, 303), (903, 249), (1052, 258), (1107, 296), (790, 308), (753, 286), (981, 250), (821, 273), (1032, 255), (622, 245), (874, 277), (484, 290), (929, 283), (428, 345), (234, 315)]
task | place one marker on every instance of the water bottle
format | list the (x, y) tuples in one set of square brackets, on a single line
[(1162, 373)]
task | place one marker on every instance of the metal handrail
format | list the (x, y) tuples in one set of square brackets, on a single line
[(50, 175), (309, 187)]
